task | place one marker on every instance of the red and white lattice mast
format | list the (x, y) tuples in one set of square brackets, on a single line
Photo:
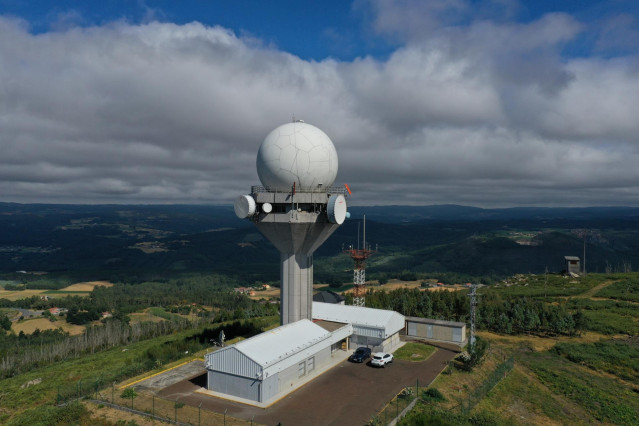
[(359, 257)]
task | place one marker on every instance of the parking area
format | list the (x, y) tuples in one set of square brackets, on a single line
[(348, 394)]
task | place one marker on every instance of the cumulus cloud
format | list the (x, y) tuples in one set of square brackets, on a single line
[(466, 110)]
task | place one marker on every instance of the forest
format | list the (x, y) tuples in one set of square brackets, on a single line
[(510, 315)]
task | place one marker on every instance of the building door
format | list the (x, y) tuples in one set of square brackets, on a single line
[(457, 335), (412, 329)]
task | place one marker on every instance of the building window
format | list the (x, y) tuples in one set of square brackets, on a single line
[(301, 369), (310, 364)]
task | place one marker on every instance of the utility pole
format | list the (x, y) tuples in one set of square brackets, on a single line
[(473, 305), (546, 283), (585, 253)]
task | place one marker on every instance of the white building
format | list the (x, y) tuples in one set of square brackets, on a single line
[(377, 329), (268, 366)]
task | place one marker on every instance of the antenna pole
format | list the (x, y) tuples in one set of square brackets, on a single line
[(365, 233), (473, 306)]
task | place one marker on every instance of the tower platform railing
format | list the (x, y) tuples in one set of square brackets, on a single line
[(334, 189)]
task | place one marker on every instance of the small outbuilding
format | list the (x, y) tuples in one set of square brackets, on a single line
[(272, 364), (328, 296), (377, 329), (436, 330), (572, 265)]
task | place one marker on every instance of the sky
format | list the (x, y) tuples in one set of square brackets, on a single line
[(495, 103)]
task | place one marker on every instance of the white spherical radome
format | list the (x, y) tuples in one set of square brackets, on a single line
[(297, 153)]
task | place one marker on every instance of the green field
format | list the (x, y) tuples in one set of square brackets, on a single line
[(575, 379), (627, 289), (604, 398), (96, 371)]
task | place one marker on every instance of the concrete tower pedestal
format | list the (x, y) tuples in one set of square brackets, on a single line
[(297, 225)]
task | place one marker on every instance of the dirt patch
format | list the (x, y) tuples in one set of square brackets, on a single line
[(397, 284), (144, 317), (87, 286), (589, 293), (114, 416), (15, 295), (271, 293), (29, 326), (537, 343)]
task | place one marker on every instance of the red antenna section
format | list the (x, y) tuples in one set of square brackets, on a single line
[(359, 257)]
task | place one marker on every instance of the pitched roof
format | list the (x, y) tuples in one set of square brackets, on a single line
[(328, 296), (273, 345), (390, 321), (435, 321), (275, 350)]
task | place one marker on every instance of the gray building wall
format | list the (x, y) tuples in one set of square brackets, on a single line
[(234, 362), (573, 265), (447, 333), (271, 387), (377, 343)]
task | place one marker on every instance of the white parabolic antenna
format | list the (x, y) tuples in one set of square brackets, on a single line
[(297, 153), (336, 209), (244, 206)]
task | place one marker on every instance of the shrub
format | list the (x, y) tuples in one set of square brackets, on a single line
[(433, 394)]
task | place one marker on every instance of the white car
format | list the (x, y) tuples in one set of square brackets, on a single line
[(381, 359)]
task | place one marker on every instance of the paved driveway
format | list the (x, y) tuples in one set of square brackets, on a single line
[(348, 394)]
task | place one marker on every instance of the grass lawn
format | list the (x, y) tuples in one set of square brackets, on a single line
[(414, 352)]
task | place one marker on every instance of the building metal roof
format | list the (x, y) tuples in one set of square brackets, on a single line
[(571, 258), (435, 322), (328, 297), (275, 350), (390, 321)]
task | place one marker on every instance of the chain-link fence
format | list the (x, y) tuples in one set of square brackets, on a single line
[(143, 403), (473, 398), (173, 411), (397, 405)]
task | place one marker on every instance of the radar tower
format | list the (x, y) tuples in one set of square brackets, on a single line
[(359, 257)]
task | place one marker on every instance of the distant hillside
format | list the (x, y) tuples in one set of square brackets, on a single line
[(134, 242), (451, 212)]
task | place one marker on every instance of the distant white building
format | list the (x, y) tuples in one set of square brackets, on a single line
[(268, 366), (377, 329)]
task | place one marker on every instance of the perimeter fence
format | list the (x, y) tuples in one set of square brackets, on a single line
[(145, 404), (398, 406), (168, 410), (474, 397)]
